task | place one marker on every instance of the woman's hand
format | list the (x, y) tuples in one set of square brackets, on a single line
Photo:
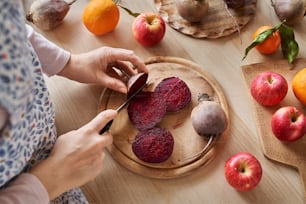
[(97, 66), (76, 158)]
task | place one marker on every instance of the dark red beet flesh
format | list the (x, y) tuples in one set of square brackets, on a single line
[(136, 82), (176, 93), (146, 110), (153, 145)]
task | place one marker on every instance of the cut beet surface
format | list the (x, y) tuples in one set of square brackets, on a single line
[(136, 82), (175, 92), (153, 145), (146, 110)]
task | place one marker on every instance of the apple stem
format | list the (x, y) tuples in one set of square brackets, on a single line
[(241, 169), (293, 118), (270, 79)]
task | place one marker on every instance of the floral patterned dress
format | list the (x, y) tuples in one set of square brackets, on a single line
[(30, 132)]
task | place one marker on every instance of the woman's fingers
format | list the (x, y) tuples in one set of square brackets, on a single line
[(126, 68), (98, 122), (120, 54), (115, 84)]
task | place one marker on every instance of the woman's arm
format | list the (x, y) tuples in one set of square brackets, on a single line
[(90, 67), (26, 188), (52, 57)]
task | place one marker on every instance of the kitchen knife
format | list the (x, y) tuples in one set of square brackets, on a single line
[(109, 124)]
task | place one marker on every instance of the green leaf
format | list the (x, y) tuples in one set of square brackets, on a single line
[(290, 47), (259, 39)]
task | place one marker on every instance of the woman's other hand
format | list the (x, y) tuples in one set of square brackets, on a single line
[(96, 66), (76, 158)]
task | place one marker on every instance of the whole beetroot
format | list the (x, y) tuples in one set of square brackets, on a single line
[(48, 14), (208, 118)]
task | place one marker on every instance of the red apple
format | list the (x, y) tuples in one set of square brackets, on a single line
[(269, 88), (149, 28), (288, 124), (243, 171)]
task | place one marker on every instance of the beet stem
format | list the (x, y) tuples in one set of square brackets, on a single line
[(210, 141)]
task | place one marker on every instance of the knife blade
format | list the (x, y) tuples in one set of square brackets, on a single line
[(109, 124)]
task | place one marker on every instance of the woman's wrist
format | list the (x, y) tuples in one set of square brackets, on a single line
[(73, 68), (47, 178), (66, 70)]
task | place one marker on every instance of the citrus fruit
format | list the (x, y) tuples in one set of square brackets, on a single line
[(271, 44), (299, 86), (101, 16)]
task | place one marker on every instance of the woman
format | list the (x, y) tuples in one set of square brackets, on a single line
[(37, 166)]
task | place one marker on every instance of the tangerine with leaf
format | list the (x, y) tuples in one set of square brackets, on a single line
[(271, 44)]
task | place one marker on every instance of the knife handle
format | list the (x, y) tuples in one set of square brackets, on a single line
[(106, 127)]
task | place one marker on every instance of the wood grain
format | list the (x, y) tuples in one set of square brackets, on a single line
[(290, 153), (218, 22), (187, 143)]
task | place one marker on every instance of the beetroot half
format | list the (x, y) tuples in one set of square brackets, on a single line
[(146, 110), (136, 82), (175, 92), (153, 145)]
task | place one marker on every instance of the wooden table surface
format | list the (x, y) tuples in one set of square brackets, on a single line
[(77, 103)]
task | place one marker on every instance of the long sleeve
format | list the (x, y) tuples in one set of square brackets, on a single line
[(26, 188), (52, 58)]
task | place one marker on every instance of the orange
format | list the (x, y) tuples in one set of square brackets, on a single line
[(271, 44), (101, 16), (299, 86)]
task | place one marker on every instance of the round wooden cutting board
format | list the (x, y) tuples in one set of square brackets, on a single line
[(187, 143), (218, 22)]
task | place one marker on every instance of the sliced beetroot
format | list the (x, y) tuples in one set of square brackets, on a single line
[(176, 93), (153, 145), (136, 82), (146, 110)]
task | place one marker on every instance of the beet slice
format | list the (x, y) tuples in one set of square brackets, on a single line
[(153, 145), (136, 82), (146, 110), (176, 93)]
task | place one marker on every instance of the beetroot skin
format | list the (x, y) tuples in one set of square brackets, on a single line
[(146, 110), (153, 145), (176, 93)]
